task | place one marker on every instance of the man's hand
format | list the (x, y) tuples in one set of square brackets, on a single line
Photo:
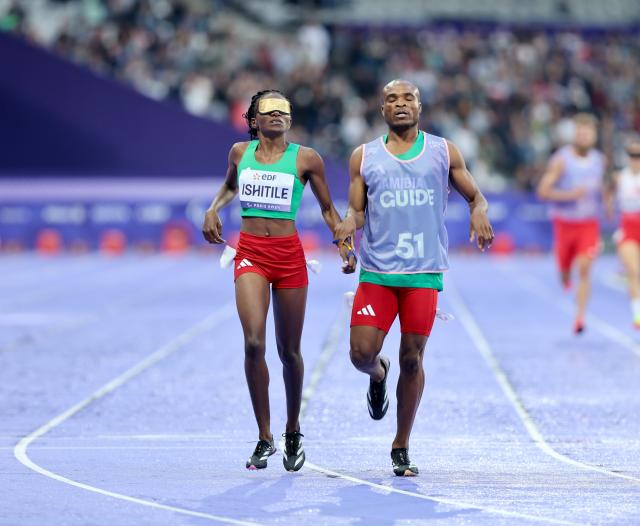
[(345, 229), (464, 183), (343, 236), (347, 253), (212, 228), (576, 193), (481, 229)]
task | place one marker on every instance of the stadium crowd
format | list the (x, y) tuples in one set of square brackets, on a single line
[(503, 95)]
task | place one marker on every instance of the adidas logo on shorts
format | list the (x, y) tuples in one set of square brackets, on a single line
[(366, 311), (244, 263)]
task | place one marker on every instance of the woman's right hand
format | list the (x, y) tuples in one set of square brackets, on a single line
[(212, 227)]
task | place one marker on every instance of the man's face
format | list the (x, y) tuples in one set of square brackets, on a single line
[(633, 151), (585, 136), (401, 105)]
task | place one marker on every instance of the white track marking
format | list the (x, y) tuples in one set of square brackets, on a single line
[(173, 437), (114, 307), (440, 500), (21, 453), (20, 450), (329, 347), (328, 350), (540, 289), (483, 347), (187, 447)]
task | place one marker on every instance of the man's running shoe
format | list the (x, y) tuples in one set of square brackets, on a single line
[(402, 466), (377, 400), (293, 455), (264, 449)]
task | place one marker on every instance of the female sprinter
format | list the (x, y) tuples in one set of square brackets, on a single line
[(270, 173), (627, 183)]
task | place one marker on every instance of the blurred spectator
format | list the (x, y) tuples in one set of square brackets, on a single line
[(503, 95), (12, 19), (315, 42)]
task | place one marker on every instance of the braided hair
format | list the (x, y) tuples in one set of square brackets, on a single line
[(252, 110)]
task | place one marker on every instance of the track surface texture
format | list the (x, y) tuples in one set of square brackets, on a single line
[(123, 401)]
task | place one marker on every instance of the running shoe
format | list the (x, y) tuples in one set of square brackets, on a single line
[(293, 455), (402, 466), (264, 449), (578, 327), (377, 399)]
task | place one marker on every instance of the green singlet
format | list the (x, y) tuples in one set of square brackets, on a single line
[(270, 190), (420, 280)]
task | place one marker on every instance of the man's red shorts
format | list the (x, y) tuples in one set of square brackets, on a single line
[(630, 228), (377, 306), (573, 239), (280, 260)]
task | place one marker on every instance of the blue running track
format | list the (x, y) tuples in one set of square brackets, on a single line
[(123, 402)]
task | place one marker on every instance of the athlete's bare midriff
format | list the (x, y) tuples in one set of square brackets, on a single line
[(264, 226)]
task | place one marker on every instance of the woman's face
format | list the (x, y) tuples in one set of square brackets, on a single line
[(273, 115)]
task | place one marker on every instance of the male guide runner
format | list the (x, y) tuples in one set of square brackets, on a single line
[(398, 193), (627, 190), (269, 174), (573, 183)]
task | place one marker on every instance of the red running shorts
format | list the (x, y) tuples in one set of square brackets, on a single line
[(630, 228), (573, 239), (377, 306), (280, 260)]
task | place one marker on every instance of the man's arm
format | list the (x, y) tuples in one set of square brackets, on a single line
[(546, 187), (466, 186), (609, 192)]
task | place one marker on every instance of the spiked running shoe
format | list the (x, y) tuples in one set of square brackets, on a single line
[(377, 400), (264, 449), (402, 466), (293, 456)]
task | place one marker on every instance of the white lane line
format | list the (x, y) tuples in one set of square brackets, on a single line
[(539, 288), (163, 436), (329, 348), (21, 449), (187, 447), (113, 307), (336, 332), (483, 347), (440, 500)]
